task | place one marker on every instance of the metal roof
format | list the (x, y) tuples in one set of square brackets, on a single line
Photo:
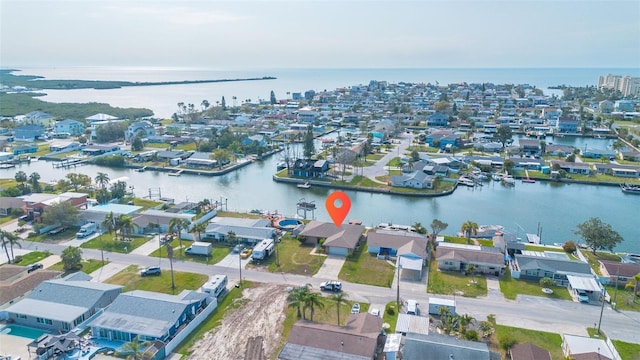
[(412, 323), (587, 283), (46, 309)]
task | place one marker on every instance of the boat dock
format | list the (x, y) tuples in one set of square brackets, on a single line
[(67, 163)]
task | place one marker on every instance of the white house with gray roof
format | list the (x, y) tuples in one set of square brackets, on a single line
[(149, 315), (247, 230), (59, 305)]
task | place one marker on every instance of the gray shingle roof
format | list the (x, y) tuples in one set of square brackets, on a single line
[(443, 347), (526, 262), (76, 293)]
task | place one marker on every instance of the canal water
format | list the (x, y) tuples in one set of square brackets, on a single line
[(524, 208)]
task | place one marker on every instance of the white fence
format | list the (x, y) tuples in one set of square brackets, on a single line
[(173, 344)]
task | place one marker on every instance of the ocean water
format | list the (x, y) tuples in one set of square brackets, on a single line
[(163, 100)]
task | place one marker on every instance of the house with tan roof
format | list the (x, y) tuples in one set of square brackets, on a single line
[(458, 258), (16, 282), (341, 240), (618, 273), (357, 340), (409, 249)]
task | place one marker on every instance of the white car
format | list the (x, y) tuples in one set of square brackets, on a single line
[(355, 309), (374, 311)]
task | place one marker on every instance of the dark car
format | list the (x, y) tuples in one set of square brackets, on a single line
[(151, 271), (26, 218), (57, 231), (335, 286), (34, 267)]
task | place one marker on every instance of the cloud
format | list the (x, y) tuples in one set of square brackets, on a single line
[(195, 15)]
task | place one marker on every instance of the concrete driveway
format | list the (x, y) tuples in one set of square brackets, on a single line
[(331, 267)]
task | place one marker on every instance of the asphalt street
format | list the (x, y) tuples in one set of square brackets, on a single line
[(536, 313)]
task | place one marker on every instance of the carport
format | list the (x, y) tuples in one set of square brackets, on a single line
[(410, 268), (587, 284)]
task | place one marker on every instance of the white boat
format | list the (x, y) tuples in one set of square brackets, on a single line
[(508, 180), (466, 181), (496, 177), (488, 231), (304, 186)]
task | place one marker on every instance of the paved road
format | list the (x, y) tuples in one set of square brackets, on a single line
[(380, 168), (531, 312)]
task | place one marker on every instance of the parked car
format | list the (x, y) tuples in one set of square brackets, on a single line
[(238, 248), (26, 218), (57, 231), (331, 286), (583, 297), (34, 267), (246, 253), (374, 311), (355, 309), (151, 271)]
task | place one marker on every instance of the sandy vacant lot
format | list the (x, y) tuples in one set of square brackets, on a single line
[(262, 316)]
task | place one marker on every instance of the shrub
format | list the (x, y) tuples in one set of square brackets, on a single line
[(471, 335), (391, 310), (546, 282), (569, 246), (17, 259), (507, 341)]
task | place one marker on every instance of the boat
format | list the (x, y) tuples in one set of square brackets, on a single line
[(528, 180), (630, 188), (281, 165), (508, 180), (486, 231), (142, 169), (177, 173), (466, 181), (496, 177), (304, 186)]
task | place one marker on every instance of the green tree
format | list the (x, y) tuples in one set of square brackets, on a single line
[(273, 99), (503, 134), (71, 258), (177, 225), (633, 283), (441, 106), (34, 181), (312, 301), (598, 235), (296, 297), (223, 103), (547, 282), (221, 156), (507, 341), (436, 227), (134, 349), (231, 237), (21, 178), (8, 241), (109, 223), (78, 180), (205, 104), (137, 144), (486, 328), (199, 228), (419, 228), (339, 298), (102, 179), (309, 147), (125, 224), (62, 213), (468, 228)]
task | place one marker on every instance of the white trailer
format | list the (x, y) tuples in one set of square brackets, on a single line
[(436, 303), (263, 249), (86, 230), (216, 286), (199, 248)]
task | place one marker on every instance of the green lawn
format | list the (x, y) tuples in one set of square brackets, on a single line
[(108, 243), (394, 162), (450, 283), (294, 258), (512, 287), (627, 351), (391, 319), (364, 268), (542, 248), (600, 255), (623, 298), (217, 253), (239, 215), (545, 340), (88, 266), (131, 280), (145, 203), (32, 257), (229, 302)]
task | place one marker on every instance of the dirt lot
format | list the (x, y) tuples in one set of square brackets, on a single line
[(261, 316)]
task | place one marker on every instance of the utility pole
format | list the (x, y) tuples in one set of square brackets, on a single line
[(601, 309), (170, 256), (398, 287)]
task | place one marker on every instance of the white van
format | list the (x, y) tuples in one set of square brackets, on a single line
[(412, 307)]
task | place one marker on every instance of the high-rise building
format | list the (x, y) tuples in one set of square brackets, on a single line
[(627, 85)]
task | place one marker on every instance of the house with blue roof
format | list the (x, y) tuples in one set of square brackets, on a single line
[(250, 231), (567, 124), (415, 180), (438, 119), (144, 128), (68, 126), (148, 315), (28, 132), (59, 305)]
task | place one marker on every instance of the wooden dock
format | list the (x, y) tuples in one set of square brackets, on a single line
[(67, 163)]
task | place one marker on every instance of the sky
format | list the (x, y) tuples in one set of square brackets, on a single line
[(238, 34)]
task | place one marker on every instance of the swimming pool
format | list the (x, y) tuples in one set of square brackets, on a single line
[(22, 331), (289, 224)]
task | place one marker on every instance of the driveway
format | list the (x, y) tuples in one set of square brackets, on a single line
[(231, 261), (380, 167), (331, 267)]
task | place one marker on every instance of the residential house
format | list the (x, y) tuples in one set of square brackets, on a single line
[(573, 167), (97, 150), (457, 257), (567, 124), (623, 105), (100, 118), (68, 126), (59, 305), (168, 155), (598, 154), (28, 132), (630, 155), (148, 315), (358, 340), (585, 348), (38, 118), (438, 119), (410, 249), (25, 149), (34, 204), (528, 351), (258, 139), (618, 170), (559, 150), (16, 282), (618, 273), (250, 231), (415, 180), (200, 160), (535, 266), (435, 138), (310, 168), (438, 346), (528, 163), (64, 146), (8, 204), (606, 106), (341, 240), (143, 128), (529, 147)]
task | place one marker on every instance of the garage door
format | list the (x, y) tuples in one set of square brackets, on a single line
[(338, 251)]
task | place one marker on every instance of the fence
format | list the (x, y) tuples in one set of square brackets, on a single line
[(173, 344)]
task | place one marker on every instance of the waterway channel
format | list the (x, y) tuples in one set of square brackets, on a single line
[(555, 208)]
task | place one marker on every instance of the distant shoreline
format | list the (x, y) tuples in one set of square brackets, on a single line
[(39, 82)]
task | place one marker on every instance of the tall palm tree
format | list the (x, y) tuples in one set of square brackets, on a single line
[(109, 222), (296, 297), (136, 348), (125, 224), (339, 298), (313, 300), (8, 240), (102, 179), (177, 225), (199, 228), (468, 228)]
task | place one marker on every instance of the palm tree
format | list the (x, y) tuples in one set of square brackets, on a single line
[(339, 298), (468, 228), (34, 179), (313, 300), (9, 239), (199, 228), (177, 225), (136, 348), (109, 223), (125, 224), (21, 177), (633, 283), (296, 297), (102, 179), (466, 319)]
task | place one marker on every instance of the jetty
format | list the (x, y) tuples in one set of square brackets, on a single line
[(67, 163)]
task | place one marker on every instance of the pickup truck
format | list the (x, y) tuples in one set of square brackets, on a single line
[(334, 286)]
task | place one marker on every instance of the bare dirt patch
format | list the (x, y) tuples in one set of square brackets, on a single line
[(262, 315)]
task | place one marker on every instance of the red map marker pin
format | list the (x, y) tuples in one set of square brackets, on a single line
[(338, 214)]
